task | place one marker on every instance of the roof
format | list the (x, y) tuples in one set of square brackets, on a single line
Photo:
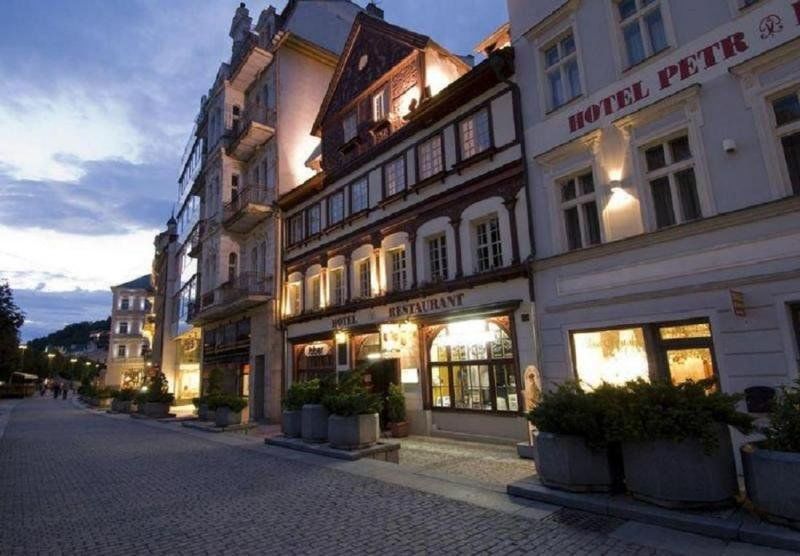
[(140, 283), (325, 23)]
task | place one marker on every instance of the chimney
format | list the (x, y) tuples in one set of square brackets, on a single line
[(374, 10)]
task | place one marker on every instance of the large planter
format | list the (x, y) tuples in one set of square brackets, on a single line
[(156, 410), (566, 462), (103, 403), (353, 432), (202, 412), (773, 483), (121, 406), (681, 474), (292, 423), (225, 417), (314, 421)]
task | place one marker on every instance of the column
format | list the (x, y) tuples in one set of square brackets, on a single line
[(510, 203), (455, 222)]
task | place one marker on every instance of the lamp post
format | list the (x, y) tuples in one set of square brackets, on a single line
[(22, 348), (50, 357)]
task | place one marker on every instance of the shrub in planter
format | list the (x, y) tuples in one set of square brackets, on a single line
[(158, 399), (396, 411), (574, 448), (676, 444), (227, 409), (103, 396), (772, 467), (140, 400), (298, 395), (314, 415), (354, 421), (122, 400)]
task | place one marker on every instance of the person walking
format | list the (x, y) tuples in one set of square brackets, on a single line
[(56, 390), (64, 391)]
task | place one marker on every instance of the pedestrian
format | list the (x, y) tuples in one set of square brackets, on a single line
[(64, 392), (56, 390), (42, 389)]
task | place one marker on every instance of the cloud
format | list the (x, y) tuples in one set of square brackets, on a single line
[(47, 312)]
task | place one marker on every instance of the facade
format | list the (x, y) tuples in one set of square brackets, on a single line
[(407, 254), (663, 148), (131, 333), (254, 136)]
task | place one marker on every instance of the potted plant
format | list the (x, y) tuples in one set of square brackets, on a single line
[(772, 466), (158, 399), (573, 447), (298, 395), (676, 446), (354, 421), (102, 397), (396, 411), (227, 409), (314, 415), (139, 402), (122, 400), (204, 413)]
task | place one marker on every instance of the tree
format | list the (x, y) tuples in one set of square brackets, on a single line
[(11, 319)]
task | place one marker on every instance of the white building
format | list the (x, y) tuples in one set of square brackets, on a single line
[(131, 333)]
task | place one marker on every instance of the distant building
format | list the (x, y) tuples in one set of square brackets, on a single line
[(131, 335)]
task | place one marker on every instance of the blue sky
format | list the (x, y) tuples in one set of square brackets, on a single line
[(97, 99)]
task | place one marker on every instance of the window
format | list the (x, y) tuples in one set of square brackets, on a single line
[(122, 351), (475, 134), (359, 196), (642, 28), (123, 328), (316, 293), (786, 111), (579, 207), (379, 106), (437, 257), (561, 66), (336, 208), (233, 263), (397, 259), (395, 176), (670, 172), (234, 187), (313, 219), (293, 295), (295, 228), (336, 279), (429, 157), (472, 367), (364, 278), (675, 351), (747, 3), (350, 126), (125, 304), (489, 248)]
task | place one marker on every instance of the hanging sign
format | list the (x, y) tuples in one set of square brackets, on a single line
[(316, 350)]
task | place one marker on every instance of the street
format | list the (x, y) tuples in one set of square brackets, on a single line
[(75, 482)]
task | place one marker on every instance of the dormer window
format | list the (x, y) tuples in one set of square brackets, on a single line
[(350, 126), (379, 106)]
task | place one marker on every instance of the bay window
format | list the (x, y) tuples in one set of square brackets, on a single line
[(786, 113), (669, 168)]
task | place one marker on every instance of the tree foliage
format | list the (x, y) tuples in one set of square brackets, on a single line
[(11, 320)]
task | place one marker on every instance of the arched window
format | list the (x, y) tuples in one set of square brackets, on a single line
[(233, 261), (472, 366)]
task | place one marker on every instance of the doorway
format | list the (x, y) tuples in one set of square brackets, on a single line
[(258, 388), (378, 376)]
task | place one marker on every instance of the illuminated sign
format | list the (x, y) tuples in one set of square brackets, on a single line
[(316, 350), (343, 321), (429, 305)]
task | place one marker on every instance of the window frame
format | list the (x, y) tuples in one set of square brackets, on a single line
[(379, 94), (351, 189), (401, 162), (579, 201), (560, 66), (294, 298), (621, 52), (462, 157), (781, 131), (329, 206), (297, 219), (350, 132), (440, 258), (122, 351), (366, 262), (438, 136), (490, 246), (315, 292), (398, 268), (307, 211), (337, 295)]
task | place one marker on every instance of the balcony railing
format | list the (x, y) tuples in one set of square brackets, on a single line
[(247, 62), (244, 291), (251, 129), (196, 239), (248, 208)]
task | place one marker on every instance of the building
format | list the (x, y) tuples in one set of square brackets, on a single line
[(254, 142), (131, 333), (407, 254), (663, 148)]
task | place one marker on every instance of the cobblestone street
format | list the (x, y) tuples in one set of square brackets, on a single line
[(76, 482)]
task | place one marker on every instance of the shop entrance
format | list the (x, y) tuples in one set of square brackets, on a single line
[(378, 376)]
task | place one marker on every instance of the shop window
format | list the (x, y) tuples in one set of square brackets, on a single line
[(350, 126), (366, 346), (669, 168), (429, 157), (472, 367), (561, 69), (437, 257), (315, 291), (359, 196), (786, 111), (313, 219), (642, 26), (397, 259), (579, 208), (336, 279), (336, 208), (314, 360), (474, 133), (677, 352), (489, 248), (364, 277), (394, 175)]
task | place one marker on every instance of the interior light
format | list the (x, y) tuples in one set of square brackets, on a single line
[(374, 356)]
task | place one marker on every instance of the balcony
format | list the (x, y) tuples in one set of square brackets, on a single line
[(248, 208), (247, 62), (245, 291), (254, 127), (196, 239)]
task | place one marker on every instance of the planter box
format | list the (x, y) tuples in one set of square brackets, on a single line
[(773, 483), (566, 462), (202, 412), (681, 475), (103, 403), (399, 430), (354, 432), (292, 423), (121, 406), (314, 423), (156, 410), (224, 417)]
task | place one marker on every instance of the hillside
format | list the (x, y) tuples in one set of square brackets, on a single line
[(72, 334)]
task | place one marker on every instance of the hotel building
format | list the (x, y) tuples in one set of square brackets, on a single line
[(407, 254), (131, 333), (663, 154)]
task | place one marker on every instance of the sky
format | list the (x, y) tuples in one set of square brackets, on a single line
[(97, 100)]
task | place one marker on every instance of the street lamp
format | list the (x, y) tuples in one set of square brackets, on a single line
[(22, 348), (50, 357)]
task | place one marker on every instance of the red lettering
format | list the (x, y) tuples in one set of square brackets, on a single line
[(709, 59), (608, 108), (639, 91), (576, 122), (688, 67), (592, 114), (665, 75), (796, 7), (624, 98), (733, 45)]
